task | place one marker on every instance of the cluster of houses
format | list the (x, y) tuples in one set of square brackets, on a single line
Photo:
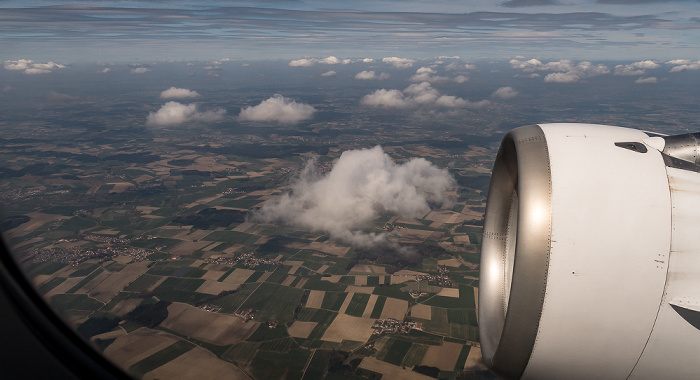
[(247, 259), (76, 255), (394, 326), (246, 314)]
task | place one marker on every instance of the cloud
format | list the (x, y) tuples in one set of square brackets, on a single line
[(308, 62), (528, 3), (329, 73), (399, 63), (279, 109), (460, 79), (329, 60), (27, 66), (57, 97), (178, 93), (303, 62), (174, 113), (368, 75), (426, 74), (564, 71), (419, 94), (362, 185), (139, 70), (636, 68), (105, 70), (367, 60), (505, 93), (680, 65), (647, 80)]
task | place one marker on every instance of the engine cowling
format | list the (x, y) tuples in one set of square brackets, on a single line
[(590, 259)]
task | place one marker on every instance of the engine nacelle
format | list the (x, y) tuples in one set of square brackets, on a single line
[(590, 263)]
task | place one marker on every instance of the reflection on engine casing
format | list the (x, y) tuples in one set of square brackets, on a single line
[(590, 263)]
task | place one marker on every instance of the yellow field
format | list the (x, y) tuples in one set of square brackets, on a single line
[(360, 289), (220, 329), (475, 361), (111, 285), (347, 327), (449, 292), (199, 364), (443, 357), (394, 308), (300, 329), (238, 276), (360, 280), (138, 345), (315, 299), (390, 371), (367, 268), (421, 311), (188, 247), (370, 306)]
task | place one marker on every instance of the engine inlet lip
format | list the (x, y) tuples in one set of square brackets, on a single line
[(509, 316)]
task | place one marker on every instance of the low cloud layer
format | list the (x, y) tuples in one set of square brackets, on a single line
[(362, 185), (636, 68), (399, 63), (27, 66), (680, 65), (174, 113), (178, 93), (505, 93), (427, 74), (420, 94), (139, 70), (278, 109), (308, 62), (563, 71), (370, 75)]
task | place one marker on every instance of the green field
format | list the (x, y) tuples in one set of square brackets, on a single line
[(233, 237), (75, 302), (276, 365), (378, 307), (274, 302), (357, 304), (333, 300), (317, 367), (394, 351), (142, 283)]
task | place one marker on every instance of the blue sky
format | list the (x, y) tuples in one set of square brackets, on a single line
[(145, 31)]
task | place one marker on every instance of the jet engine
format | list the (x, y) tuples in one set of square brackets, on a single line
[(590, 263)]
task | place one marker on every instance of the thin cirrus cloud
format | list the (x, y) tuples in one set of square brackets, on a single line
[(417, 95), (28, 66), (174, 113), (491, 29), (278, 109)]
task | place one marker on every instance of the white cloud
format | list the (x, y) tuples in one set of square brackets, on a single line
[(505, 93), (139, 70), (329, 73), (329, 60), (647, 80), (279, 109), (679, 62), (419, 94), (105, 70), (563, 71), (174, 113), (362, 185), (680, 65), (346, 61), (367, 60), (308, 62), (178, 93), (368, 75), (460, 79), (636, 68), (399, 63), (426, 74), (27, 66), (470, 66), (303, 62)]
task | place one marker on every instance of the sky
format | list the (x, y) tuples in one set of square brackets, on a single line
[(154, 30)]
